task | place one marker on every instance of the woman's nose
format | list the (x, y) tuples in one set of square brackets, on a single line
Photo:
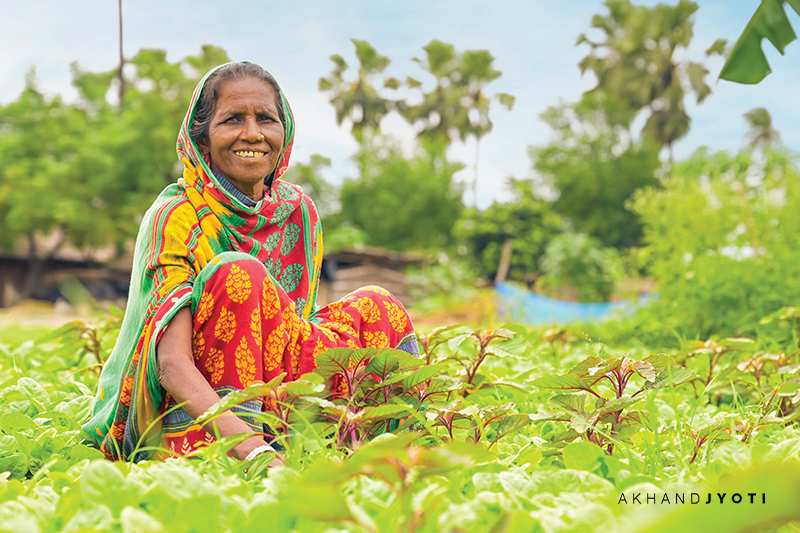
[(250, 132)]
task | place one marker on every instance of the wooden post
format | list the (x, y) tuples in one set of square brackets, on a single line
[(505, 261)]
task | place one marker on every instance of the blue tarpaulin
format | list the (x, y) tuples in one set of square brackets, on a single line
[(526, 307)]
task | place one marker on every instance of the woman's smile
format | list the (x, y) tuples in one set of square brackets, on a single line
[(249, 154)]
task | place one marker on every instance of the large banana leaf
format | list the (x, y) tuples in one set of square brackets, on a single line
[(746, 62)]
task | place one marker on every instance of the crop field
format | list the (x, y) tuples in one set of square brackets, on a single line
[(512, 429)]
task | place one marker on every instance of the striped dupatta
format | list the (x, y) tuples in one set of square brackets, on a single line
[(189, 224)]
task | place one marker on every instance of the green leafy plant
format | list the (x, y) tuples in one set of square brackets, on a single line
[(609, 419)]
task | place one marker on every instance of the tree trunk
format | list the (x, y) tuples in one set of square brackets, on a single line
[(475, 178), (505, 261)]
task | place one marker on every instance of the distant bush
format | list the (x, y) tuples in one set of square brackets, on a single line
[(583, 263), (723, 239)]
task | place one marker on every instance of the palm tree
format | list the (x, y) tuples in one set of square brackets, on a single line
[(760, 134), (458, 106), (635, 62), (360, 101)]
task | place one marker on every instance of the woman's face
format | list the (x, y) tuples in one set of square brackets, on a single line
[(245, 136)]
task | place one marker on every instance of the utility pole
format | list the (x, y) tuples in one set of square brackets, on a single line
[(121, 58)]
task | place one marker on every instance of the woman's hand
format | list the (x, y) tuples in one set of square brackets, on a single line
[(184, 382)]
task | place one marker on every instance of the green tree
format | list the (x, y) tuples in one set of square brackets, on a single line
[(87, 172), (360, 101), (528, 221), (458, 106), (760, 134), (595, 167), (49, 178), (635, 60), (419, 192), (401, 203)]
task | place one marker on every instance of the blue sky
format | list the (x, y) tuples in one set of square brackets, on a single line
[(533, 42)]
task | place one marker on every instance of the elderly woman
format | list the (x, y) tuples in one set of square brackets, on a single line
[(224, 284)]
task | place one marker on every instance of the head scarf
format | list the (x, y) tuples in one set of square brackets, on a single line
[(189, 224)]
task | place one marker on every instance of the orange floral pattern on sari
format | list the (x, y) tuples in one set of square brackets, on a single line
[(242, 335)]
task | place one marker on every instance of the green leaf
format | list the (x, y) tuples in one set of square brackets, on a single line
[(500, 352), (660, 361), (738, 343), (580, 422), (75, 325), (511, 424), (135, 520), (456, 341), (15, 422), (615, 404), (673, 375), (506, 99), (788, 389), (718, 47), (570, 402), (645, 369), (600, 370), (302, 387), (337, 361), (582, 368), (561, 382), (421, 375), (103, 483), (317, 500), (34, 392), (79, 409), (16, 517), (784, 313), (747, 62), (383, 363), (783, 451), (455, 455), (385, 411), (582, 455)]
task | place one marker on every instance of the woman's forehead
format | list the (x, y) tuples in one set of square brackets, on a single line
[(247, 93)]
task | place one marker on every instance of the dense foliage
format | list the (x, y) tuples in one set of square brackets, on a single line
[(722, 237), (527, 220), (595, 166), (419, 193), (580, 261), (505, 430)]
